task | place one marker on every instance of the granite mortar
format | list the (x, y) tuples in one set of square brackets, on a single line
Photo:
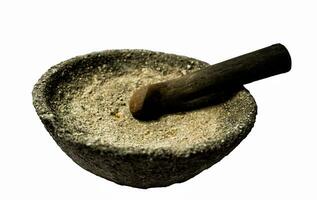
[(83, 103)]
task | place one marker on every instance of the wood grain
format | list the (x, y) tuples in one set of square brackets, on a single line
[(151, 101)]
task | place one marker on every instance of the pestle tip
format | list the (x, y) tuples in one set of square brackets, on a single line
[(144, 103)]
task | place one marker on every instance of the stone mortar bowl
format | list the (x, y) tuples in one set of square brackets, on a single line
[(84, 126)]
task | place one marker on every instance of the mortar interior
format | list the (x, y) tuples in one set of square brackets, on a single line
[(92, 102)]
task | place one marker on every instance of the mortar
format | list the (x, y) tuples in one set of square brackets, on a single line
[(83, 104)]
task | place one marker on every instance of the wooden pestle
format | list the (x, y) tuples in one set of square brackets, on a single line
[(151, 101)]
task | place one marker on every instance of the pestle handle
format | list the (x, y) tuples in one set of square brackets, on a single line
[(152, 100)]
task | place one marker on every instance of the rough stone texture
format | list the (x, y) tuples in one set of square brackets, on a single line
[(83, 103)]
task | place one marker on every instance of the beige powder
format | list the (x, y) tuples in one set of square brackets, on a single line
[(99, 112)]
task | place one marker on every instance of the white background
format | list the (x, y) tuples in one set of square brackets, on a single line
[(276, 161)]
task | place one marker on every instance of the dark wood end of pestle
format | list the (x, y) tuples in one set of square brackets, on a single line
[(151, 101)]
